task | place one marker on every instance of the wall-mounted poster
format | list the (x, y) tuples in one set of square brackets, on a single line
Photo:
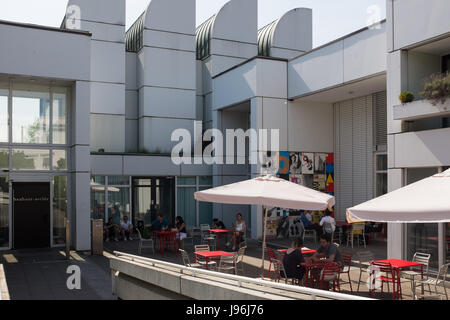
[(320, 163), (270, 163), (307, 163), (319, 183), (284, 163), (308, 181), (295, 163), (330, 174)]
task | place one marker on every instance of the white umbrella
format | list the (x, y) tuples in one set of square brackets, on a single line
[(268, 191), (426, 201)]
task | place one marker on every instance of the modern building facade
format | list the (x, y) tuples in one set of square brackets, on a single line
[(87, 123)]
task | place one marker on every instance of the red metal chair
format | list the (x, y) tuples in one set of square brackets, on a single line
[(331, 272), (271, 256), (347, 262), (170, 239), (387, 275)]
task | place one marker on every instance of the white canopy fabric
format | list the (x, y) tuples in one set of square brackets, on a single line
[(268, 191), (426, 201)]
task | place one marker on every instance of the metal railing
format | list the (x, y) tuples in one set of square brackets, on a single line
[(313, 293)]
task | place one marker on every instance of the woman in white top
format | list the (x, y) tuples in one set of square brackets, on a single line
[(240, 228)]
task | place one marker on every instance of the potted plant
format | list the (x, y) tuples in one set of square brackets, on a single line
[(437, 88), (406, 97)]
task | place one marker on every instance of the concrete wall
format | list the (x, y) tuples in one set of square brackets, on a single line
[(357, 56), (415, 21), (420, 67), (166, 72)]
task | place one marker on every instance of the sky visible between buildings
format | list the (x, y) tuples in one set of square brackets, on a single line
[(331, 18)]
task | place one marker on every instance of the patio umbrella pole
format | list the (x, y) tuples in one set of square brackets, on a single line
[(264, 242)]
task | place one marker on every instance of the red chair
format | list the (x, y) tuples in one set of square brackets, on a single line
[(387, 275), (347, 262), (331, 272), (169, 239), (271, 256)]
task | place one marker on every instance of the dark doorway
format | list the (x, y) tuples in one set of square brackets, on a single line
[(31, 215)]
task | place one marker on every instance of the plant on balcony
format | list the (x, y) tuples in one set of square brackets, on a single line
[(437, 88), (406, 97)]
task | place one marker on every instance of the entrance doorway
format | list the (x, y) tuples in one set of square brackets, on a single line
[(31, 215)]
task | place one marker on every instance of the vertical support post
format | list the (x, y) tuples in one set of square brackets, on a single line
[(264, 242), (67, 225)]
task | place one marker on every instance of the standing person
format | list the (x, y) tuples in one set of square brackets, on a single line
[(330, 226), (293, 261), (217, 224), (240, 230), (181, 227), (126, 228)]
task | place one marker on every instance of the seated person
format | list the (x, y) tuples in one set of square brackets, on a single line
[(181, 227), (240, 228), (217, 224), (110, 229), (160, 224), (126, 228), (327, 252), (329, 222), (294, 261), (309, 225)]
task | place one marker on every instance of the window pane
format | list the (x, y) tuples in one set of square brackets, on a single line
[(4, 159), (59, 160), (205, 181), (118, 204), (187, 181), (142, 182), (4, 94), (31, 117), (59, 209), (97, 203), (97, 180), (424, 238), (186, 205), (118, 181), (30, 159), (59, 118), (143, 206), (382, 185), (4, 212), (382, 162), (205, 211)]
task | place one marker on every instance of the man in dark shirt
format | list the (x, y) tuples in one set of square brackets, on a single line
[(160, 223), (218, 224), (111, 229), (328, 250)]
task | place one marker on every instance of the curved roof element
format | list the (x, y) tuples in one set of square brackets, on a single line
[(204, 33), (134, 38), (288, 36)]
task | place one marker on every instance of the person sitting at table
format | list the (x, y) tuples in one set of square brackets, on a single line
[(329, 222), (110, 229), (126, 228), (293, 261), (181, 228), (328, 251), (309, 225), (240, 229), (160, 224), (217, 224)]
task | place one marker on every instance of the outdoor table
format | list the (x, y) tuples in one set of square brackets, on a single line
[(304, 251), (161, 235), (219, 232), (207, 256), (398, 264)]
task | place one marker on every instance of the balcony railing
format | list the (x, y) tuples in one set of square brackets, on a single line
[(421, 109)]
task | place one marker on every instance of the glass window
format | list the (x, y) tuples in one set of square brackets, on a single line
[(97, 203), (59, 117), (4, 212), (205, 181), (205, 211), (59, 160), (4, 94), (118, 204), (142, 182), (186, 206), (4, 159), (382, 184), (31, 116), (187, 181), (59, 209), (382, 162), (423, 237), (97, 180), (118, 181), (30, 159), (144, 207)]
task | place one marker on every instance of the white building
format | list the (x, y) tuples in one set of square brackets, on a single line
[(87, 116)]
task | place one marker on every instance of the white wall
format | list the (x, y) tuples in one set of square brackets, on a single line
[(358, 56), (420, 67)]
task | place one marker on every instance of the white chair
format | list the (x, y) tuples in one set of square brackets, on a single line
[(202, 248), (309, 234), (240, 259), (145, 243), (364, 259), (187, 261), (195, 232), (423, 258), (228, 263), (439, 281), (357, 232)]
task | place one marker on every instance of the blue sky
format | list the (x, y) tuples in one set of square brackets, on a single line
[(331, 18)]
